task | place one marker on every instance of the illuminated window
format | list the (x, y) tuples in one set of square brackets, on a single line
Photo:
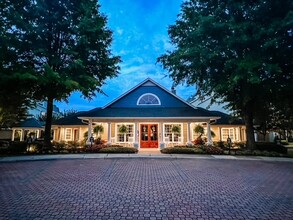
[(148, 99), (68, 134), (174, 137), (228, 132), (129, 132)]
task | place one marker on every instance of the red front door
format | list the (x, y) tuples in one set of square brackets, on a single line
[(149, 136)]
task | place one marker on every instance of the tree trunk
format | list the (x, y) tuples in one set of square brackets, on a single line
[(248, 119), (47, 139), (264, 136)]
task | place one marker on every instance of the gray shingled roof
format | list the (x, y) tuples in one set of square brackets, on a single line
[(29, 123), (150, 112), (227, 119), (70, 120)]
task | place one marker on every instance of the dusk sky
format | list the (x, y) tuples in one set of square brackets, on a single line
[(140, 36)]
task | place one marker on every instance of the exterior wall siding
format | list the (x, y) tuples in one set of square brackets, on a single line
[(6, 135), (216, 129), (239, 132), (166, 99), (113, 129)]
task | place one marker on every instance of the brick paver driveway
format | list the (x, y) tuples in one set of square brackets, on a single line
[(146, 189)]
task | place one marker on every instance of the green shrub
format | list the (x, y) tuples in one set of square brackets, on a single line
[(241, 145), (114, 145), (17, 147), (100, 141), (73, 146), (268, 146), (95, 148), (4, 146), (221, 144), (183, 146), (182, 150), (198, 141), (210, 149), (59, 146), (41, 147), (118, 149)]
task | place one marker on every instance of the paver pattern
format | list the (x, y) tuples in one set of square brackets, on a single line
[(146, 189)]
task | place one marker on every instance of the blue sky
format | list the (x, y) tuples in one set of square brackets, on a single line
[(140, 36)]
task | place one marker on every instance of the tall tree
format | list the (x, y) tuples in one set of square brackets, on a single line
[(237, 51), (15, 83), (64, 47)]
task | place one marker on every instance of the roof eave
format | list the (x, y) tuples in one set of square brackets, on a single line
[(161, 118)]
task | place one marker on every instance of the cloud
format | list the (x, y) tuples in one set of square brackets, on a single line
[(140, 36), (119, 31)]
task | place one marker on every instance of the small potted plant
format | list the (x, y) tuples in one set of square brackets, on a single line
[(199, 130), (123, 130), (99, 129), (176, 129)]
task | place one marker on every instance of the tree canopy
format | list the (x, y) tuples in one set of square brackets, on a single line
[(239, 52), (58, 46)]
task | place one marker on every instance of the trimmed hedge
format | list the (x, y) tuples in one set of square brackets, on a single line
[(268, 146), (212, 149), (118, 150), (4, 146), (193, 149), (95, 148), (182, 150)]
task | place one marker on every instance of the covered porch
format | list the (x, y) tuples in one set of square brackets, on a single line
[(30, 127), (149, 133)]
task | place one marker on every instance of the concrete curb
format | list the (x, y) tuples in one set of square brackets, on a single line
[(138, 156)]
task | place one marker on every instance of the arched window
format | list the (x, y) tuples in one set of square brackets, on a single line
[(148, 99)]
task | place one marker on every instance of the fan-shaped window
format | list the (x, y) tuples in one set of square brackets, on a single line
[(148, 99)]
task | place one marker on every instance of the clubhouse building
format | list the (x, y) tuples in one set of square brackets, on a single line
[(149, 116)]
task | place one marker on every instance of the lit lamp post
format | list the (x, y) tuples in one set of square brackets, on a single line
[(229, 142), (92, 141)]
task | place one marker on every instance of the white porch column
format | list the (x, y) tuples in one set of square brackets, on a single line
[(237, 134), (90, 128), (13, 133), (136, 135), (189, 130), (255, 136), (80, 134), (209, 133), (109, 132), (162, 132), (136, 132), (21, 135), (162, 143)]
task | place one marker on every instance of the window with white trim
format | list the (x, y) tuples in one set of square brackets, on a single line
[(148, 99), (124, 137), (227, 132), (68, 134), (174, 137)]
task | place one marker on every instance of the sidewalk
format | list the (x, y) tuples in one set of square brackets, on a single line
[(142, 154)]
